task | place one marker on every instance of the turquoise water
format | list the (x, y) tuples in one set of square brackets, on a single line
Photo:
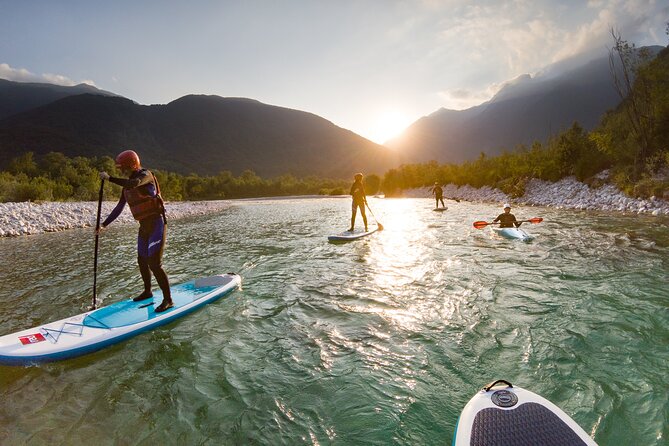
[(379, 341)]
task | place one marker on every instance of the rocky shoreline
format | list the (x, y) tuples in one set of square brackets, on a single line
[(34, 218), (28, 218), (568, 193)]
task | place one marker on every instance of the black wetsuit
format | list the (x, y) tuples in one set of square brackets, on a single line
[(506, 220), (358, 193), (438, 195)]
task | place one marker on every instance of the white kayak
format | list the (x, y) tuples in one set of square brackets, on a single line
[(348, 236), (94, 330), (513, 233), (504, 415)]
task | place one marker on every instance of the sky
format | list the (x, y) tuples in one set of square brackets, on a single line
[(370, 66)]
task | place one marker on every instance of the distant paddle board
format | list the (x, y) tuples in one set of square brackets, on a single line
[(94, 330), (501, 414), (348, 236), (440, 209)]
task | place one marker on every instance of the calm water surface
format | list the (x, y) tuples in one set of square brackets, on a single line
[(379, 341)]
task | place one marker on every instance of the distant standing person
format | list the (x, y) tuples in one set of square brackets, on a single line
[(359, 201), (438, 193), (142, 194), (507, 219)]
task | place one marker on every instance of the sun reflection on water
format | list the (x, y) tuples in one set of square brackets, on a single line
[(409, 285)]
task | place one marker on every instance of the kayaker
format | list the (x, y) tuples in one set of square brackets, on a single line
[(142, 194), (438, 193), (507, 219), (359, 201)]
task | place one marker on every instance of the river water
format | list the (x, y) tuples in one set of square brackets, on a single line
[(378, 341)]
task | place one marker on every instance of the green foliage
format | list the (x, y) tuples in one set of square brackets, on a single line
[(632, 141), (55, 177), (648, 187), (23, 164), (372, 184)]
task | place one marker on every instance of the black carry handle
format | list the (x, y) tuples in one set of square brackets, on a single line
[(97, 236), (493, 384)]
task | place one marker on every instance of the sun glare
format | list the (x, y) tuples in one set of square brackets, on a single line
[(389, 124)]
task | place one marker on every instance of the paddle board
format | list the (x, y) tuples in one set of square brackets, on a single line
[(94, 330), (440, 209), (348, 236), (513, 233), (504, 415)]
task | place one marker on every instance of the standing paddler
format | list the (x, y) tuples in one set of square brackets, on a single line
[(142, 194), (438, 193), (359, 201)]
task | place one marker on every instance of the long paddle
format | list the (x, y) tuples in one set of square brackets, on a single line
[(97, 236), (377, 221), (483, 224)]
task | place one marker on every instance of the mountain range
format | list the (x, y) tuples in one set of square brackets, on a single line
[(18, 97), (194, 134), (208, 134), (525, 110)]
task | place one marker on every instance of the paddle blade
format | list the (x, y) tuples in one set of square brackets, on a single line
[(480, 224), (536, 220)]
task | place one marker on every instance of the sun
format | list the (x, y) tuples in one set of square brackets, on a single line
[(389, 124)]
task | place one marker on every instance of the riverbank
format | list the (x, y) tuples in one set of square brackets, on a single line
[(34, 218), (568, 193), (28, 218)]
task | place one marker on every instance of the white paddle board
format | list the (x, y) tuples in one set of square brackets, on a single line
[(94, 330), (348, 236), (505, 415)]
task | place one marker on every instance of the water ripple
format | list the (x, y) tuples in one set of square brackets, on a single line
[(380, 341)]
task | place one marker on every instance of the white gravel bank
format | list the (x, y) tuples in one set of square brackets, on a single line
[(35, 218), (567, 193)]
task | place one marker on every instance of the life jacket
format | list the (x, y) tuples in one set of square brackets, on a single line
[(142, 204)]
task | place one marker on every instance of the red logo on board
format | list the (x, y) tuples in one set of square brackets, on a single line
[(32, 339)]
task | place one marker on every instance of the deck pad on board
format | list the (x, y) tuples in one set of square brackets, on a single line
[(506, 415)]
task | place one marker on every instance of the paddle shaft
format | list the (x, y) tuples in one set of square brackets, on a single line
[(97, 237), (483, 224), (377, 220)]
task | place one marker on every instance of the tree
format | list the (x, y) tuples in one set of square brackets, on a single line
[(372, 184), (23, 164), (625, 61)]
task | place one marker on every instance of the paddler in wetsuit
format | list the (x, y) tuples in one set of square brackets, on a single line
[(507, 219), (142, 194), (359, 201), (438, 193)]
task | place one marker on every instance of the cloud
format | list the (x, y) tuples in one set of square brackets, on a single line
[(636, 20), (493, 42), (23, 75), (463, 98)]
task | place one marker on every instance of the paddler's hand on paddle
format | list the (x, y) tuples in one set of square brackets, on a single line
[(104, 176), (99, 230)]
